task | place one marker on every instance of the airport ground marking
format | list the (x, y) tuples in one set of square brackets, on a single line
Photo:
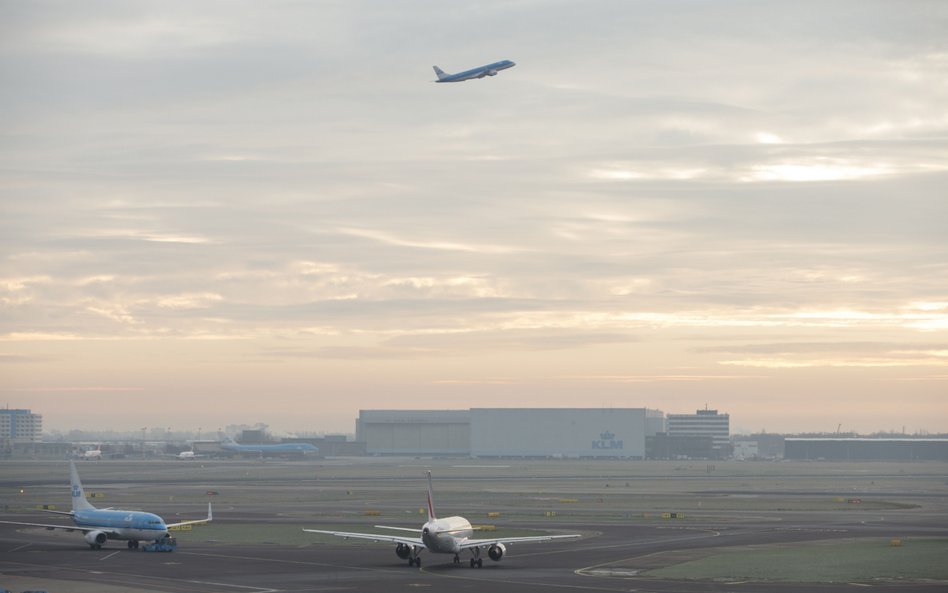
[(257, 589), (588, 570), (548, 585), (286, 561)]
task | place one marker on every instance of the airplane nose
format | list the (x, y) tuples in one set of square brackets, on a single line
[(425, 531)]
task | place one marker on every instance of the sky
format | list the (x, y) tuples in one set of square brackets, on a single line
[(242, 212)]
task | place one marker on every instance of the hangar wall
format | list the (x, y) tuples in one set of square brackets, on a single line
[(866, 449), (414, 432), (562, 432)]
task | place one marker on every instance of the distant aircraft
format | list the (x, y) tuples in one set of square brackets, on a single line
[(93, 454), (187, 455), (450, 535), (100, 525), (275, 450), (481, 72)]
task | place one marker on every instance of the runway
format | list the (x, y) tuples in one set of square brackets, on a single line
[(611, 556)]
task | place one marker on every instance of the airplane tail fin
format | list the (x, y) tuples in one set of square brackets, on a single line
[(431, 511), (439, 72), (79, 502)]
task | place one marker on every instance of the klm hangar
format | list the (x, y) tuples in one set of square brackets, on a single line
[(511, 432)]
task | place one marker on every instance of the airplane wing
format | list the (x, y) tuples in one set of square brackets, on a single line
[(210, 517), (477, 543), (415, 530), (58, 512), (376, 537), (48, 526)]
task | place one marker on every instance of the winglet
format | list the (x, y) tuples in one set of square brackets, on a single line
[(431, 511), (210, 517), (79, 502)]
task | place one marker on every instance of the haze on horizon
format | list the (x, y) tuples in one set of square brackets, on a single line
[(267, 212)]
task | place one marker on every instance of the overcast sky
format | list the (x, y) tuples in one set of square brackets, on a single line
[(240, 212)]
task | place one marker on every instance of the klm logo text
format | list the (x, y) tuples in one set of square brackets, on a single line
[(607, 441)]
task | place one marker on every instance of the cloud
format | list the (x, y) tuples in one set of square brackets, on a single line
[(281, 185)]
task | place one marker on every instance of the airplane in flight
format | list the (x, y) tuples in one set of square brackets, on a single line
[(274, 450), (100, 525), (450, 535), (480, 72)]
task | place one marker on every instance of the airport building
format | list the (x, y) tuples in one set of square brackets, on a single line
[(704, 423), (866, 449), (414, 432), (510, 432), (20, 426)]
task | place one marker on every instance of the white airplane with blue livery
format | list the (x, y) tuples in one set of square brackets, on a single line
[(100, 525), (450, 535), (270, 450), (480, 72)]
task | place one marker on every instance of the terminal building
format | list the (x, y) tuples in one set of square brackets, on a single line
[(510, 432)]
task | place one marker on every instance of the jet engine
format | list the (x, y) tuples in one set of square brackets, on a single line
[(96, 538), (491, 73), (496, 551), (403, 551)]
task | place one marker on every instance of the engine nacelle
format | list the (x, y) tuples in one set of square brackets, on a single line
[(95, 538), (491, 73), (496, 552), (403, 551)]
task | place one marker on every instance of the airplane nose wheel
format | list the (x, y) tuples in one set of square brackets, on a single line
[(457, 560)]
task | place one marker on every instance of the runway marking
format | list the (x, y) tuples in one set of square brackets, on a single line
[(599, 570), (107, 557), (258, 589), (481, 466), (20, 547), (401, 571), (285, 561), (544, 584)]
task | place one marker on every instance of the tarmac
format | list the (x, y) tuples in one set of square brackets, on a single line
[(609, 557)]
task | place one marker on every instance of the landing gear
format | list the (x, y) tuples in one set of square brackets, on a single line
[(457, 560), (95, 546), (414, 562), (133, 544), (476, 561)]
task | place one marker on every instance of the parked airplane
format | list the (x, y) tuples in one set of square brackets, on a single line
[(480, 72), (99, 525), (450, 535), (275, 450)]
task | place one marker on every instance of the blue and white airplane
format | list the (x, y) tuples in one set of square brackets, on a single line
[(275, 450), (447, 535), (100, 525), (481, 72)]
